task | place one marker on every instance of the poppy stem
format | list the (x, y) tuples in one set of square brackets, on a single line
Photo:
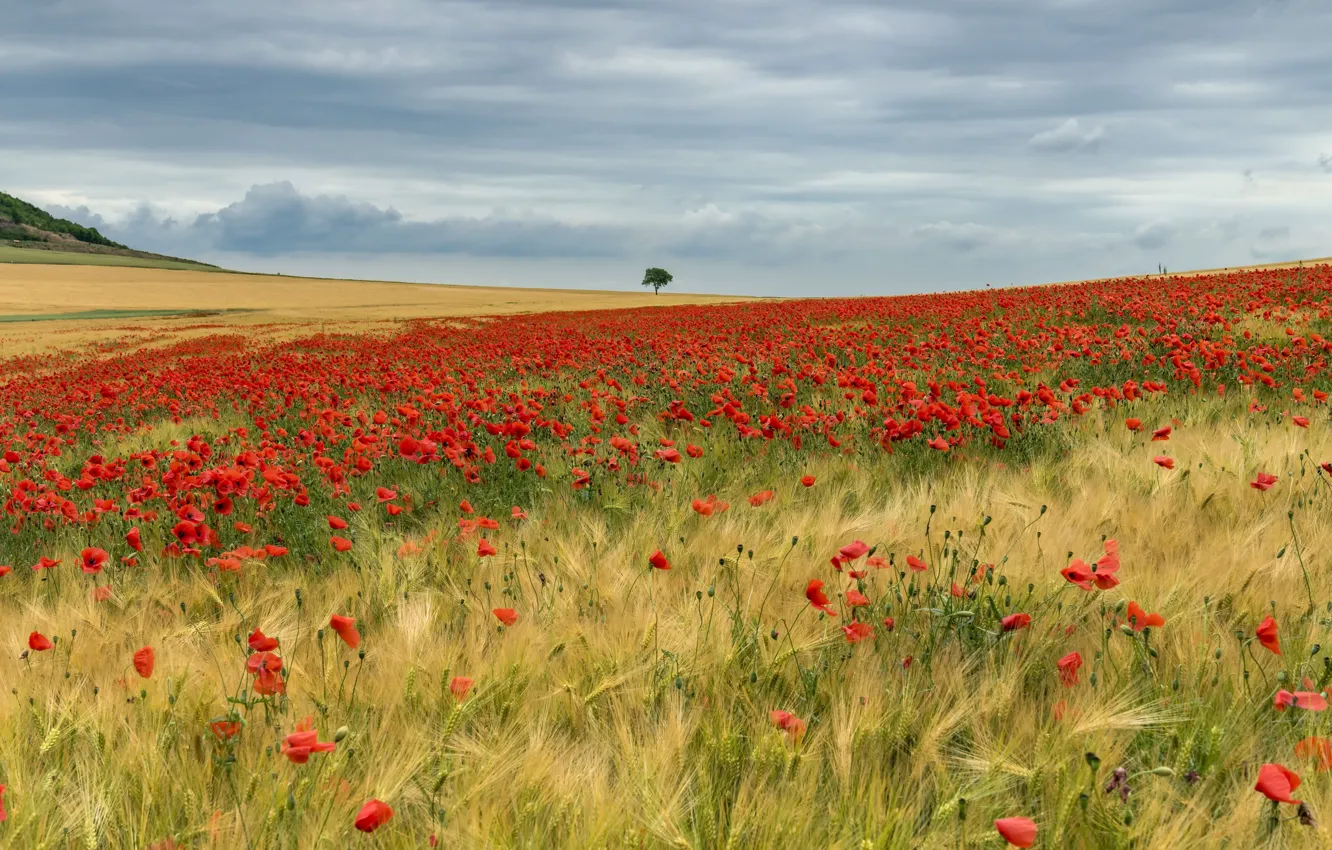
[(777, 572), (1299, 554), (240, 813)]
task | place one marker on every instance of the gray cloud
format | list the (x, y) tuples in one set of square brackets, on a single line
[(1325, 162), (830, 138), (276, 219), (1151, 237), (1271, 243)]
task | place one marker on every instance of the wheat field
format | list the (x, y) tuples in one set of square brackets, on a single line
[(668, 676)]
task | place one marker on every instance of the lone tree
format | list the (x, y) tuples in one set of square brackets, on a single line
[(656, 278)]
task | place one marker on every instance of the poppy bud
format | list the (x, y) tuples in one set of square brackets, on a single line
[(342, 733), (1093, 761), (1163, 771)]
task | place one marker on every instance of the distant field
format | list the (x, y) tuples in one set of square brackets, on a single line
[(84, 315), (10, 254), (71, 306)]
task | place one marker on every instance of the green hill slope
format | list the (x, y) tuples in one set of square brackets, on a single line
[(29, 234)]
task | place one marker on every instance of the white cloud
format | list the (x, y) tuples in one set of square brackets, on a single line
[(1067, 137)]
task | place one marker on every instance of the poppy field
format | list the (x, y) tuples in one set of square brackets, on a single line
[(1035, 567)]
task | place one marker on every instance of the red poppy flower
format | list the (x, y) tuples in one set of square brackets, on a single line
[(658, 561), (337, 523), (1164, 462), (788, 723), (1103, 573), (1307, 700), (101, 594), (852, 551), (507, 616), (384, 494), (762, 497), (1264, 481), (91, 560), (373, 815), (1079, 573), (346, 629), (186, 532), (45, 563), (1140, 619), (1161, 434), (459, 687), (484, 549), (1133, 424), (888, 624), (814, 593), (1318, 749), (341, 544), (808, 480), (1301, 421), (518, 513), (144, 660), (38, 642), (260, 642), (694, 451), (1276, 783), (465, 506), (225, 729), (1014, 622), (5, 570), (1068, 669), (856, 632), (856, 599), (263, 662), (1019, 832), (916, 565), (134, 540), (668, 455), (299, 745), (1267, 634)]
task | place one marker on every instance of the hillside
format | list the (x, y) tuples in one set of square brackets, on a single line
[(26, 226)]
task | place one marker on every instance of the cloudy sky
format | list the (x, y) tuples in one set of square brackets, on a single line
[(786, 146)]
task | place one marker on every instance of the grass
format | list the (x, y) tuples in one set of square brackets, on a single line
[(9, 254), (630, 708), (90, 314)]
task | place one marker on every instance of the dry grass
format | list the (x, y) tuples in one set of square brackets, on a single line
[(273, 306), (628, 709)]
